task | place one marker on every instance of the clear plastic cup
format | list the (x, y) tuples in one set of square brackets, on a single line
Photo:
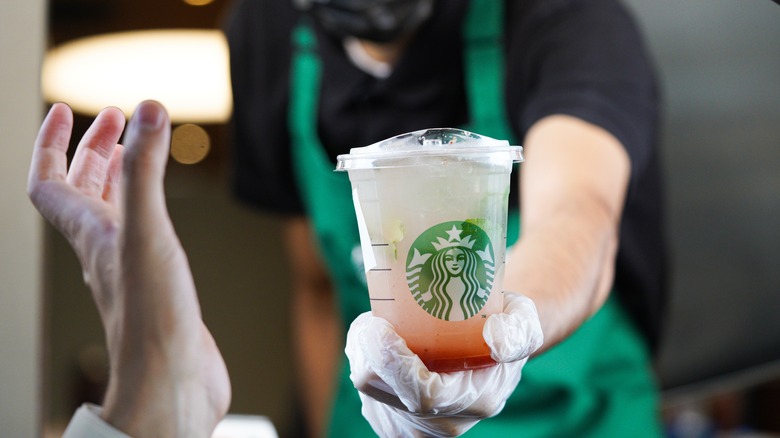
[(431, 209)]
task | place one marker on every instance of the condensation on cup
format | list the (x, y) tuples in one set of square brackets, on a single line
[(431, 208)]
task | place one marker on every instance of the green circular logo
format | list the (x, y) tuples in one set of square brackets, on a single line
[(450, 269)]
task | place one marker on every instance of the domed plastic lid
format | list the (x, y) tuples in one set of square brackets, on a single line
[(418, 147)]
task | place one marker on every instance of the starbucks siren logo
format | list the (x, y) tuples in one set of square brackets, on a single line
[(450, 270)]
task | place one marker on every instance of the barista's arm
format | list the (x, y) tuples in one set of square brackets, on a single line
[(573, 185), (317, 329)]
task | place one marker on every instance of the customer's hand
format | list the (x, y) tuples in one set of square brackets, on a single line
[(402, 398), (167, 376)]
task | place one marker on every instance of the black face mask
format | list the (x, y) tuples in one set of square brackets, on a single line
[(373, 20)]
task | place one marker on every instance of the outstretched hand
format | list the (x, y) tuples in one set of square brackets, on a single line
[(167, 376)]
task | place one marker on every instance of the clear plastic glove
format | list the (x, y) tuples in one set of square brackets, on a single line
[(401, 398)]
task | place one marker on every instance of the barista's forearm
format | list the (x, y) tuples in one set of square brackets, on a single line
[(573, 185), (565, 267)]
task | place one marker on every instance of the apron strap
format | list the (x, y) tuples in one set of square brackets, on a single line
[(305, 72)]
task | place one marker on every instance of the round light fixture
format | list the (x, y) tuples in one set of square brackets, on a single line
[(186, 70)]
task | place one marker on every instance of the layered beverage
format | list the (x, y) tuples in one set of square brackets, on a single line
[(432, 213)]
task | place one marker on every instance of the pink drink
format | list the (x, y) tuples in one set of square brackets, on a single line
[(432, 211)]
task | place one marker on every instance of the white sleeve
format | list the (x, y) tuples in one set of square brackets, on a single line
[(86, 422)]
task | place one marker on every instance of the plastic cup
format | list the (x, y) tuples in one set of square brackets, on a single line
[(431, 208)]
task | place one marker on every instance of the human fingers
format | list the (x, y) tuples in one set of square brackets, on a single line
[(386, 420), (49, 161), (91, 160), (517, 332), (361, 336), (154, 266), (146, 143), (83, 221), (448, 409), (384, 368), (388, 371), (112, 188), (46, 181), (401, 397), (396, 366)]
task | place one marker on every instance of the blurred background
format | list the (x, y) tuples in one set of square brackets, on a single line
[(719, 65)]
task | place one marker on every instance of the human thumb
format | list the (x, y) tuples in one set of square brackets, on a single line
[(147, 144)]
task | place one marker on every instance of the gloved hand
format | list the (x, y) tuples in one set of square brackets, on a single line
[(401, 398)]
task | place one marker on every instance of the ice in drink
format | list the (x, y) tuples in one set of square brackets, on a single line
[(432, 212)]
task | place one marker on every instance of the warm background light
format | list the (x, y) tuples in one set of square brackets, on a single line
[(189, 144), (198, 2), (186, 70)]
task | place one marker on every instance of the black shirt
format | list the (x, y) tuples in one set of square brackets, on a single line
[(583, 58)]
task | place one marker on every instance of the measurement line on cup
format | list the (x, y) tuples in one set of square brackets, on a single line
[(380, 244), (382, 299), (380, 269)]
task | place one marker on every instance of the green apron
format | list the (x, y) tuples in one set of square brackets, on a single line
[(596, 383)]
